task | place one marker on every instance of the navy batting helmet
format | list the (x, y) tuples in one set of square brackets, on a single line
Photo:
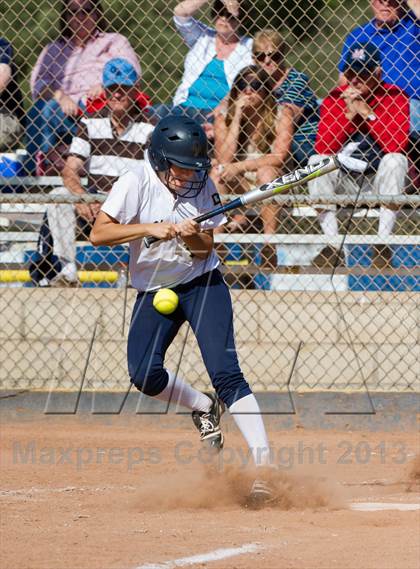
[(181, 141)]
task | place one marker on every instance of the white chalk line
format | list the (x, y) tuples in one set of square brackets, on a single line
[(215, 555), (380, 506), (65, 489), (219, 554)]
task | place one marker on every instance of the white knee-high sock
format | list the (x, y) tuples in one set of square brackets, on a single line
[(247, 415), (181, 393)]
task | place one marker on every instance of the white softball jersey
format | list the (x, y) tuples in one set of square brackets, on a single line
[(139, 196)]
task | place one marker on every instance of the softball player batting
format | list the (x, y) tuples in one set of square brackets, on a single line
[(160, 198)]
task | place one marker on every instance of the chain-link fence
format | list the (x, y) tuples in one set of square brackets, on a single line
[(324, 278)]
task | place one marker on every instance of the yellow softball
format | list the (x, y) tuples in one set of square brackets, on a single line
[(165, 301)]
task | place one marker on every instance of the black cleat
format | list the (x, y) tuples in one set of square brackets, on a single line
[(209, 423), (262, 494)]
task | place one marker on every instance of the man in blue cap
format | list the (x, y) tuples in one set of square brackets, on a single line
[(111, 139), (368, 119), (119, 71)]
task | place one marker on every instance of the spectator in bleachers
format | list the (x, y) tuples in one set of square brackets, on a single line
[(11, 109), (368, 119), (297, 119), (295, 125), (215, 57), (395, 31), (245, 131), (67, 72), (297, 102), (109, 141), (296, 122)]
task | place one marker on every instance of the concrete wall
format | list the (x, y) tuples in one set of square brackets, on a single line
[(313, 340)]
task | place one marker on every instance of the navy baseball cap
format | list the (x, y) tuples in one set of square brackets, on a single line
[(119, 71), (362, 57)]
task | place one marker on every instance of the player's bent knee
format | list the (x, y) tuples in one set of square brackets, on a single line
[(151, 383)]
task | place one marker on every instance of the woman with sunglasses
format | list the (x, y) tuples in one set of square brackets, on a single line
[(245, 130), (295, 124), (68, 71), (216, 54)]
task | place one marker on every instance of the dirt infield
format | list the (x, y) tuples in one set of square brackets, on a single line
[(80, 493)]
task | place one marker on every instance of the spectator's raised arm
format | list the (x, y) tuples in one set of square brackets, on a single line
[(188, 8), (5, 76), (190, 29), (289, 116), (216, 54)]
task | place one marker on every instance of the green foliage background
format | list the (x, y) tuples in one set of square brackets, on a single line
[(314, 31)]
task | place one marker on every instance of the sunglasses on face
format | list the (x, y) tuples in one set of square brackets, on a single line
[(254, 84), (224, 13), (390, 3), (275, 56), (120, 90)]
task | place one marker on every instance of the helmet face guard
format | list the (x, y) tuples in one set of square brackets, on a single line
[(180, 141), (187, 188)]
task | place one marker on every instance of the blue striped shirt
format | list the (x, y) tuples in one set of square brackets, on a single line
[(295, 90)]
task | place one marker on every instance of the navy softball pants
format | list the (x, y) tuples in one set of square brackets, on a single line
[(206, 304)]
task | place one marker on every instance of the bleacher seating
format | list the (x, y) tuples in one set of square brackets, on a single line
[(19, 227), (298, 241)]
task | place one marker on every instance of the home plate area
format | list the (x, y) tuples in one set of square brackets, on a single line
[(76, 496)]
